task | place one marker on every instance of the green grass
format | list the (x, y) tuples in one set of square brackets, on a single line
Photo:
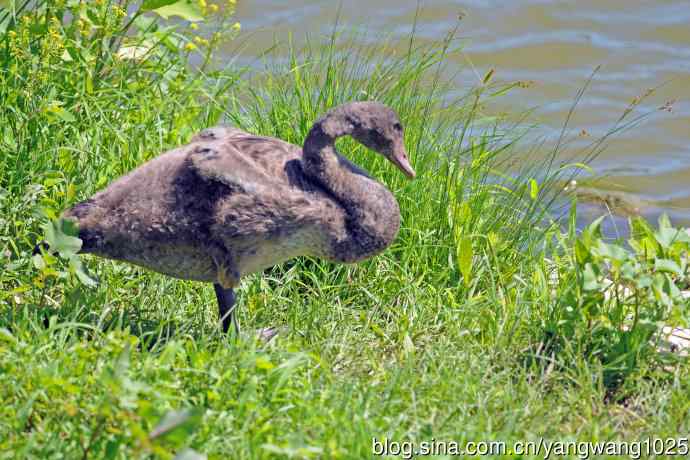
[(455, 333)]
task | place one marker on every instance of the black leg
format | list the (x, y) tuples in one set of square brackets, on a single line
[(226, 308)]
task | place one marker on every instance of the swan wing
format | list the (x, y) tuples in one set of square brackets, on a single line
[(239, 159)]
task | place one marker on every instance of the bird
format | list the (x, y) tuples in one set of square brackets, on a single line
[(231, 203)]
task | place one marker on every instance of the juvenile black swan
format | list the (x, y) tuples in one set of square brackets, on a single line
[(231, 203)]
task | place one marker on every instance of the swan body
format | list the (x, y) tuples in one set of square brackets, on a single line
[(231, 203)]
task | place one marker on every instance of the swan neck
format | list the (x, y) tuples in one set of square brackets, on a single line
[(373, 216), (320, 158)]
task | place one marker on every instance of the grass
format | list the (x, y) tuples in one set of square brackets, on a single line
[(456, 333)]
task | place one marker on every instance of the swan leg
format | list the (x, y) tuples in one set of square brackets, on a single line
[(226, 308), (228, 277)]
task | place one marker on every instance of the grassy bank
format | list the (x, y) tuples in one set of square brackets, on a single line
[(484, 321)]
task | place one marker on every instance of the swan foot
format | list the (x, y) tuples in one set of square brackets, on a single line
[(267, 334), (226, 308), (228, 278), (227, 274)]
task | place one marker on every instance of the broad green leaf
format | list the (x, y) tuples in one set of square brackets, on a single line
[(465, 212), (287, 368), (377, 330), (494, 240), (146, 23), (465, 255), (170, 353), (7, 336), (51, 181), (176, 426), (667, 235), (88, 84), (81, 272), (112, 448), (643, 282), (64, 115), (582, 253), (590, 282), (592, 232), (640, 228), (667, 265), (187, 10), (659, 289), (123, 361), (38, 261), (263, 363), (533, 189), (630, 270), (649, 248), (60, 235), (148, 5), (671, 289), (172, 43), (4, 21), (611, 251)]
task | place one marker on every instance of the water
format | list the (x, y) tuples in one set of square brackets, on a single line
[(556, 45)]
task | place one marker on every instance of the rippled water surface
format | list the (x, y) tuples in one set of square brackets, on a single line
[(555, 44)]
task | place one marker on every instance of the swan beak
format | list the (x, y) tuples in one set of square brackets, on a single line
[(399, 159)]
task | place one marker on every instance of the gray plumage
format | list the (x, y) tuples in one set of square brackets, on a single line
[(231, 203)]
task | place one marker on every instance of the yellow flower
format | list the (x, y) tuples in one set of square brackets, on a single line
[(201, 41), (232, 2), (202, 3), (190, 47), (213, 7), (54, 30), (193, 26), (84, 26), (236, 27)]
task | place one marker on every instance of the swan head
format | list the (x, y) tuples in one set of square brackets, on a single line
[(377, 127)]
